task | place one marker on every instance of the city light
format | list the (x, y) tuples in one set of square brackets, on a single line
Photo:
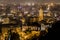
[(27, 20)]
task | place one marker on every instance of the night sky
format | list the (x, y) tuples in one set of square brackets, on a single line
[(19, 1)]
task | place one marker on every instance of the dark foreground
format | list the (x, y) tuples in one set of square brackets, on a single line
[(54, 32)]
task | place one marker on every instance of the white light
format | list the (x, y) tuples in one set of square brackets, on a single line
[(25, 12), (33, 4), (48, 8), (42, 27), (52, 4), (55, 15), (4, 14), (29, 4), (9, 14), (45, 10)]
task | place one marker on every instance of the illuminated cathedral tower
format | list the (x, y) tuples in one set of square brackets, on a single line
[(40, 14)]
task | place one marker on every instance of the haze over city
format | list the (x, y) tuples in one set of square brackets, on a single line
[(22, 1)]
